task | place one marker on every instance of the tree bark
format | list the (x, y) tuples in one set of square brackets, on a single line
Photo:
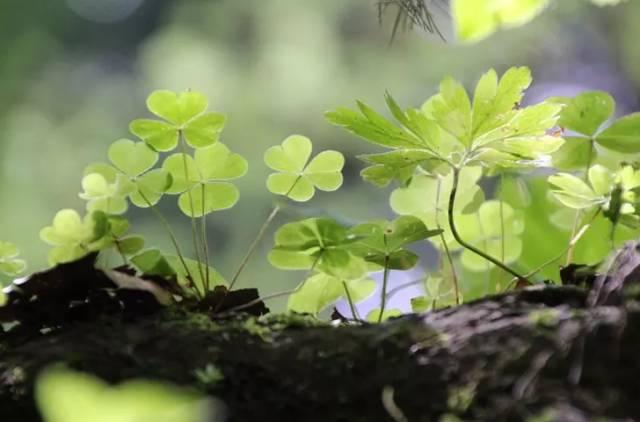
[(539, 352)]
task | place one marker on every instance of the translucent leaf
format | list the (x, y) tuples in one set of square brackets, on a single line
[(150, 187), (118, 225), (12, 267), (177, 108), (130, 245), (160, 136), (110, 205), (452, 110), (8, 250), (586, 112), (601, 179), (324, 170), (218, 163), (94, 186), (421, 304), (574, 154), (107, 171), (623, 135), (153, 262), (206, 198), (492, 247), (514, 191), (65, 396), (291, 156), (475, 20), (132, 158), (282, 183), (215, 278), (290, 260), (372, 127), (67, 227), (321, 290), (572, 185), (374, 315), (204, 130), (184, 172)]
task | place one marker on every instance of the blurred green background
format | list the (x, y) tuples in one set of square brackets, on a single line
[(73, 73)]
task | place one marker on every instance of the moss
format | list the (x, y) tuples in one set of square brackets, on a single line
[(545, 318)]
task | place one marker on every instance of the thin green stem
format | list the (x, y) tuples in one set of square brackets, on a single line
[(194, 230), (254, 245), (576, 220), (574, 240), (273, 295), (352, 306), (456, 235), (385, 281), (258, 238), (454, 275), (501, 198), (205, 243), (172, 236)]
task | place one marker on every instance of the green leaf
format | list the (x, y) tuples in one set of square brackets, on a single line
[(153, 262), (601, 179), (575, 153), (296, 179), (291, 156), (160, 136), (452, 110), (421, 304), (319, 241), (204, 131), (215, 278), (103, 196), (183, 170), (484, 231), (475, 20), (203, 199), (150, 187), (372, 127), (3, 298), (73, 236), (131, 244), (321, 290), (374, 315), (573, 192), (514, 191), (185, 113), (132, 158), (623, 135), (177, 108), (217, 162), (65, 396), (586, 112)]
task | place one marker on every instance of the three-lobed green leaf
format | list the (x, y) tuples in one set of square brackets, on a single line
[(297, 177), (184, 114)]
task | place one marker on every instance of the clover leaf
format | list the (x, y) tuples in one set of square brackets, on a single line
[(475, 20), (201, 180), (320, 290), (130, 175), (72, 236), (384, 241), (484, 230), (575, 193), (65, 396), (375, 314), (102, 195), (297, 177), (10, 264), (184, 114), (319, 243)]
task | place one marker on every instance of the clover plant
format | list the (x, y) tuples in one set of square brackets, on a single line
[(10, 263), (444, 155)]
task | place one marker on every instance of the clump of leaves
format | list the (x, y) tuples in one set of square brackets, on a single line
[(451, 132), (10, 264)]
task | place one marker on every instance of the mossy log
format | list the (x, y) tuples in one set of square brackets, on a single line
[(531, 353)]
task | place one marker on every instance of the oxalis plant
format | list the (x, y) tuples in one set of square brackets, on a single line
[(442, 155)]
